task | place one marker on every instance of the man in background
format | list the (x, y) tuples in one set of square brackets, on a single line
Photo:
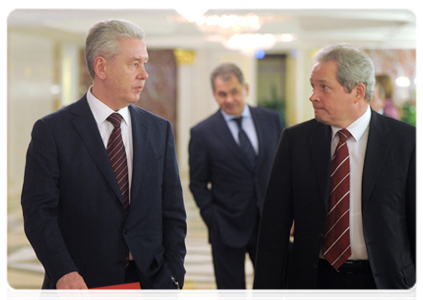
[(230, 155), (102, 199), (348, 179)]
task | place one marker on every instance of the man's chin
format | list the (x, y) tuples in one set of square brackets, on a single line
[(321, 119), (232, 112), (135, 98)]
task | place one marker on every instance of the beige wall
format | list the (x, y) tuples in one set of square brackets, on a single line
[(30, 77), (299, 65)]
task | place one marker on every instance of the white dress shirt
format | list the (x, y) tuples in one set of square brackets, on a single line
[(247, 126), (101, 112), (357, 145)]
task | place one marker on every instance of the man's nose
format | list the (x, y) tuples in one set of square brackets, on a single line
[(143, 74), (313, 97), (229, 99)]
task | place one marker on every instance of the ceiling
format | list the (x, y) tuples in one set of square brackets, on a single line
[(165, 28)]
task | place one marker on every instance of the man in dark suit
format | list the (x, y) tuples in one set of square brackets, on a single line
[(228, 183), (377, 246), (89, 229)]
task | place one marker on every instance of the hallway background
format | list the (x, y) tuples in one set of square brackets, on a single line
[(46, 70)]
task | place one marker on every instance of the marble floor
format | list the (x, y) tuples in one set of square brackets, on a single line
[(25, 272)]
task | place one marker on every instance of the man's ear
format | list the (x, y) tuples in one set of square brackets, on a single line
[(360, 91), (100, 67), (247, 89)]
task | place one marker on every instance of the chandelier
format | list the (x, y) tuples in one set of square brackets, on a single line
[(228, 24), (238, 32)]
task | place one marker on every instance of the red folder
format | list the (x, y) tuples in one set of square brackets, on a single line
[(128, 291)]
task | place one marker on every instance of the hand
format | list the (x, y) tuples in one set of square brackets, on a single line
[(71, 281), (291, 233)]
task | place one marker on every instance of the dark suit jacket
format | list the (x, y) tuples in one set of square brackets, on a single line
[(73, 210), (299, 189), (230, 206)]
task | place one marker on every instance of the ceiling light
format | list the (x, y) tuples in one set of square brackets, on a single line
[(248, 42), (285, 37), (251, 42), (260, 53), (402, 81), (228, 23)]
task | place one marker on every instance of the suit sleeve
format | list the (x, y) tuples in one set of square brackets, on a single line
[(200, 176), (279, 125), (276, 222), (174, 215), (411, 205), (40, 201)]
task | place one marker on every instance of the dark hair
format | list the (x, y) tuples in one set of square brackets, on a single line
[(225, 70)]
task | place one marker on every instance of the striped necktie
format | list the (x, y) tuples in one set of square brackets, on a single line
[(336, 243), (117, 156)]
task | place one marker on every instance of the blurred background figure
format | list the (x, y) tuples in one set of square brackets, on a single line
[(230, 156), (378, 99), (389, 109)]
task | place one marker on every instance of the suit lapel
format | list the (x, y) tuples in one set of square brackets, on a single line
[(223, 133), (86, 127), (139, 138), (319, 142), (376, 152)]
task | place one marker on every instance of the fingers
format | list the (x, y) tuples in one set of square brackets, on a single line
[(72, 287)]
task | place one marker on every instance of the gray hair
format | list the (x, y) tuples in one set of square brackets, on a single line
[(103, 39), (354, 66), (225, 70)]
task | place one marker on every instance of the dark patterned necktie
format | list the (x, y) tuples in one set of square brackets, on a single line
[(336, 244), (117, 155), (245, 144)]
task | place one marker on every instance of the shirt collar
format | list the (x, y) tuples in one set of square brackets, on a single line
[(246, 113), (101, 111), (358, 127)]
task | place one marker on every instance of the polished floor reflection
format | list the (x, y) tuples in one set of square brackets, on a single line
[(25, 271)]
